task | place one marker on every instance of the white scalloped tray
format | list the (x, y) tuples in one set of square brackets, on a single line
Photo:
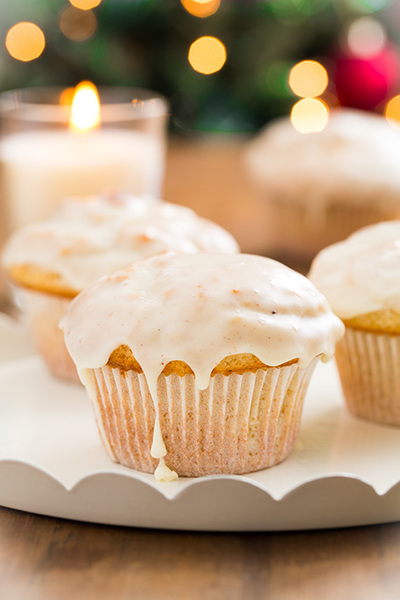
[(342, 472)]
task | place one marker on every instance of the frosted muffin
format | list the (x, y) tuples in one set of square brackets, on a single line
[(51, 262), (198, 364), (360, 278), (321, 187)]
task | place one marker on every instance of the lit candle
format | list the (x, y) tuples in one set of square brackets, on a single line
[(41, 166)]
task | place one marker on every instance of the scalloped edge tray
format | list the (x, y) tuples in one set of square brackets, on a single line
[(343, 471)]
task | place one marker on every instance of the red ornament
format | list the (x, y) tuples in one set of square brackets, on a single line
[(365, 83)]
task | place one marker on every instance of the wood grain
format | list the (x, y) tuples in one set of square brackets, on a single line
[(46, 558)]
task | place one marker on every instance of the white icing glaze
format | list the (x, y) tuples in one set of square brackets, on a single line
[(158, 449), (164, 473), (361, 274), (353, 158), (199, 309), (91, 237)]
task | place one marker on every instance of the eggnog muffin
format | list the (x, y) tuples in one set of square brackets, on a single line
[(51, 262), (322, 186), (198, 364), (360, 278)]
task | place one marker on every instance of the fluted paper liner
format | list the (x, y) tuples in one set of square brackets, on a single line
[(240, 423), (369, 369), (44, 312), (306, 228)]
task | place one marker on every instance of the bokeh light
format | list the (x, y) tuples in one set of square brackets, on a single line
[(85, 109), (85, 4), (308, 79), (366, 37), (201, 8), (78, 25), (67, 96), (207, 55), (25, 41), (392, 112), (309, 115)]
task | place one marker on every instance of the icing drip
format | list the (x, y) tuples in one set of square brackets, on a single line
[(158, 449), (164, 473)]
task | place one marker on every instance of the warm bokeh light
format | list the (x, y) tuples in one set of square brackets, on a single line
[(392, 112), (366, 37), (85, 4), (207, 55), (25, 41), (85, 109), (78, 25), (201, 8), (308, 79), (67, 96), (309, 115)]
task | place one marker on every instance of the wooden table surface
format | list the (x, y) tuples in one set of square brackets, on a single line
[(211, 177), (46, 558), (49, 559)]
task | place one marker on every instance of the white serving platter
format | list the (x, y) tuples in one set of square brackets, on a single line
[(343, 471)]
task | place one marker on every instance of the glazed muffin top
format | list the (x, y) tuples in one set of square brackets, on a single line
[(95, 236), (199, 309), (355, 155), (360, 275)]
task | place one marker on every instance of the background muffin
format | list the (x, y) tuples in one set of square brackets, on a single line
[(202, 359), (50, 262), (360, 278), (320, 187)]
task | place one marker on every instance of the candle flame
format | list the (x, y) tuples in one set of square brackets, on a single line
[(85, 109)]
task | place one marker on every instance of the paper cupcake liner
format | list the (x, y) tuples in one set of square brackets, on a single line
[(44, 313), (369, 369), (240, 423), (307, 228)]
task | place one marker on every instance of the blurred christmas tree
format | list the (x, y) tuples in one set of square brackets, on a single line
[(145, 43)]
